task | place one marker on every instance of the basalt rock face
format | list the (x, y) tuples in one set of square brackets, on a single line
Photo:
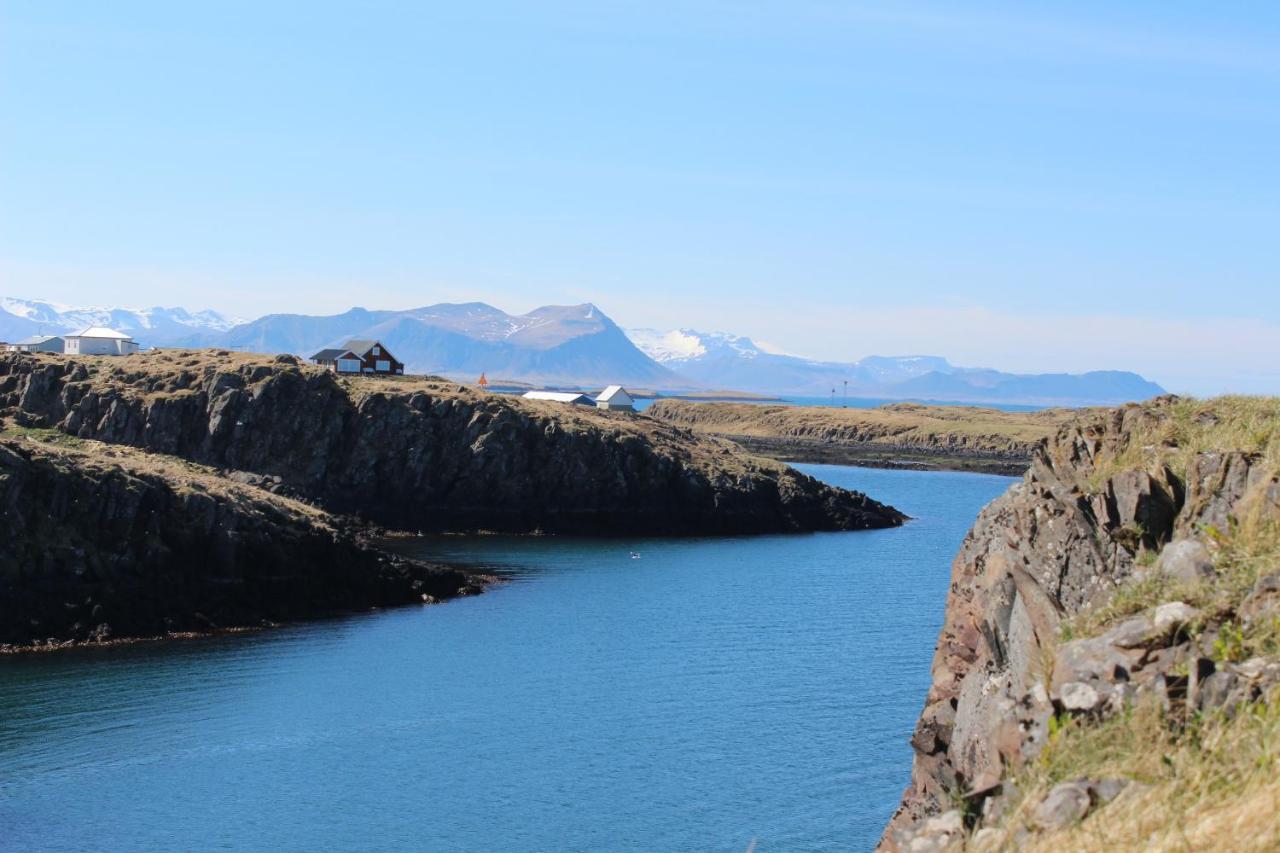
[(1057, 542), (425, 455), (104, 544)]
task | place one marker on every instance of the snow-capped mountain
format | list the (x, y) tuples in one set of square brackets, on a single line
[(724, 361), (20, 318)]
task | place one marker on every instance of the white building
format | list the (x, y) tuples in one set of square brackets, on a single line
[(615, 398), (38, 343), (98, 340), (560, 397)]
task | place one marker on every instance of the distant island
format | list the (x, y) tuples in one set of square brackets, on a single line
[(579, 346)]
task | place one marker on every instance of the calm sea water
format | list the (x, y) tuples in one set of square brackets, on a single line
[(711, 692)]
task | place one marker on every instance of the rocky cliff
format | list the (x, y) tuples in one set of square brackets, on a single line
[(1108, 618), (424, 454), (103, 543)]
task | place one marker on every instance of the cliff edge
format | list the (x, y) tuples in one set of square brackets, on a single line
[(1105, 675)]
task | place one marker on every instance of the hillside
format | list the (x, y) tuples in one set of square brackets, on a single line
[(893, 435), (1106, 675), (424, 454)]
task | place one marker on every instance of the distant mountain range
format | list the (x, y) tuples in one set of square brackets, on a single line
[(720, 360), (578, 345), (21, 318)]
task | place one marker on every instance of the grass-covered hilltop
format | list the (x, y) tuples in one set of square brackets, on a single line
[(182, 490), (895, 435), (1107, 674)]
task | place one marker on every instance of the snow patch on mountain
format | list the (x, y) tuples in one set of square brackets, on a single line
[(663, 347)]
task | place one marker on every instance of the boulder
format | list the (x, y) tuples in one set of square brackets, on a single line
[(1066, 804), (1091, 660), (1136, 632), (1185, 560), (1264, 601), (1078, 696), (1173, 616)]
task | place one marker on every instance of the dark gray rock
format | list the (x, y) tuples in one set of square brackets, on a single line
[(99, 547)]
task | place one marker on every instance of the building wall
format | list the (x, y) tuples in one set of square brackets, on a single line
[(99, 346)]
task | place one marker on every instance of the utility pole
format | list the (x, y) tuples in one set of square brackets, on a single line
[(846, 394)]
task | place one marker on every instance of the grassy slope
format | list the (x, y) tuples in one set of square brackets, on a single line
[(1206, 781)]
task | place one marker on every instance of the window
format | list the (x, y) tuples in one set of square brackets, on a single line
[(384, 367), (377, 350)]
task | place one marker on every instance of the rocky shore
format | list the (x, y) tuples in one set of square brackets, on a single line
[(1106, 674), (896, 435)]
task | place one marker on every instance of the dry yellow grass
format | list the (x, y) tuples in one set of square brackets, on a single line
[(1188, 426), (897, 424), (1212, 785)]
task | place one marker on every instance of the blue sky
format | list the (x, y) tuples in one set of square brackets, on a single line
[(1022, 186)]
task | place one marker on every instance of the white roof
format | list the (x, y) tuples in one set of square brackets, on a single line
[(101, 332), (556, 396), (612, 391)]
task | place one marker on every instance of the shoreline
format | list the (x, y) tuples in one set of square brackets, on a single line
[(876, 455), (478, 583)]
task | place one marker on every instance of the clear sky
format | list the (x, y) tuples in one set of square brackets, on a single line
[(1064, 186)]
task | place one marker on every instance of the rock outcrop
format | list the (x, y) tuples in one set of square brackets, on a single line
[(103, 543), (1101, 508), (424, 454)]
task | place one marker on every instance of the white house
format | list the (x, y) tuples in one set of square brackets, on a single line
[(560, 397), (99, 340), (615, 398), (38, 343)]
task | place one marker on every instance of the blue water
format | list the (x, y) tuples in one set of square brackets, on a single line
[(711, 692)]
